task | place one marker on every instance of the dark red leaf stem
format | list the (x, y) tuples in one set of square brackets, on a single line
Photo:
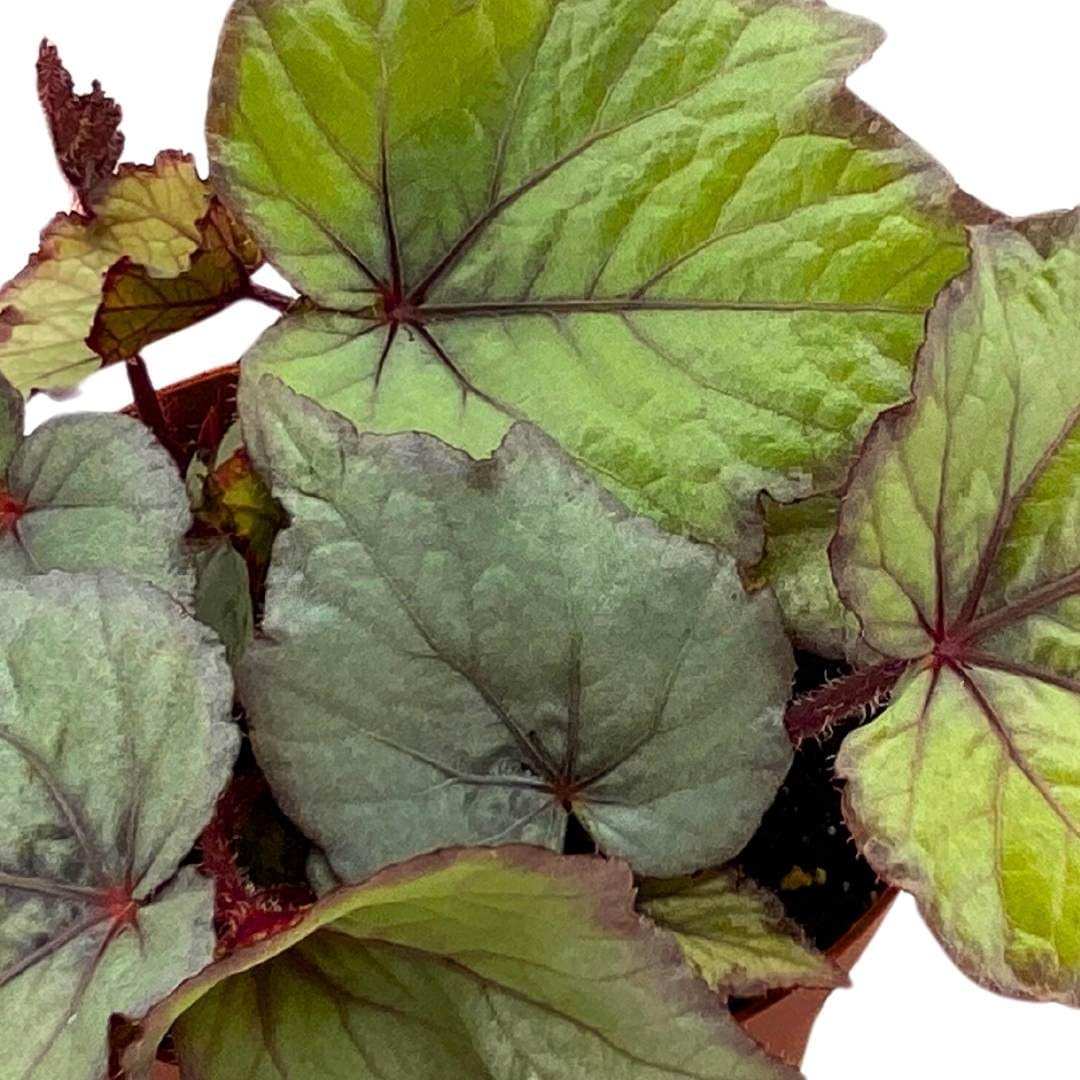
[(148, 406), (816, 713), (269, 297)]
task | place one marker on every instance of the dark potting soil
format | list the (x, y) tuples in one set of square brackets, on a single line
[(802, 850)]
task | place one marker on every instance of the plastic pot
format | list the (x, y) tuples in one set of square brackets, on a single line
[(780, 1022)]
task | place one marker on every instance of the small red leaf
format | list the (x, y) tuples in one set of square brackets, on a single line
[(85, 128)]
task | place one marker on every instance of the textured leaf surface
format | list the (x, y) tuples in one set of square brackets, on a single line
[(94, 492), (796, 567), (85, 128), (661, 230), (958, 548), (148, 214), (736, 934), (115, 740), (138, 307), (223, 595), (461, 651), (12, 422), (504, 964)]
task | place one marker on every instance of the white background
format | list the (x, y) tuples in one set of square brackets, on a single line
[(991, 88)]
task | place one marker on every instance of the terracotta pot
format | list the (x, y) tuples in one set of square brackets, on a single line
[(780, 1022)]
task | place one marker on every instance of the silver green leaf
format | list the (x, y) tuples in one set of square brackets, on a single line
[(115, 741), (95, 493), (12, 419), (223, 595), (461, 652)]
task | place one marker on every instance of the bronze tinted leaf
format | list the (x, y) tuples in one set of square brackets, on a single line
[(85, 128), (150, 214), (138, 307)]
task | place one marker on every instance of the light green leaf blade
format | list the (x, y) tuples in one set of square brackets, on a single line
[(107, 776), (325, 356), (683, 249), (796, 567), (97, 492), (505, 963), (736, 934), (505, 642), (223, 596), (958, 549), (148, 214)]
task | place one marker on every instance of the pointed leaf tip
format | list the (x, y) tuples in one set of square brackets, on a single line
[(736, 935)]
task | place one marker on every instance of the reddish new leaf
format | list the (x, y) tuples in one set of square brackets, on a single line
[(85, 128)]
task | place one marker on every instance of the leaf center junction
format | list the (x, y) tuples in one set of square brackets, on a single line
[(11, 510), (119, 906), (950, 652), (395, 306)]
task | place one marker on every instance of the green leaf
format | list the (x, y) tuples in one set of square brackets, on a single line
[(796, 567), (236, 502), (115, 740), (661, 230), (138, 307), (504, 964), (12, 422), (736, 934), (958, 549), (223, 595), (499, 642), (148, 214), (94, 492)]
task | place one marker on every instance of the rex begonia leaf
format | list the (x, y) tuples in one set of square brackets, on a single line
[(461, 652), (115, 740), (148, 214), (505, 964), (796, 567), (736, 934), (12, 422), (223, 594), (958, 549), (236, 502), (139, 307), (661, 230), (85, 128), (91, 492)]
